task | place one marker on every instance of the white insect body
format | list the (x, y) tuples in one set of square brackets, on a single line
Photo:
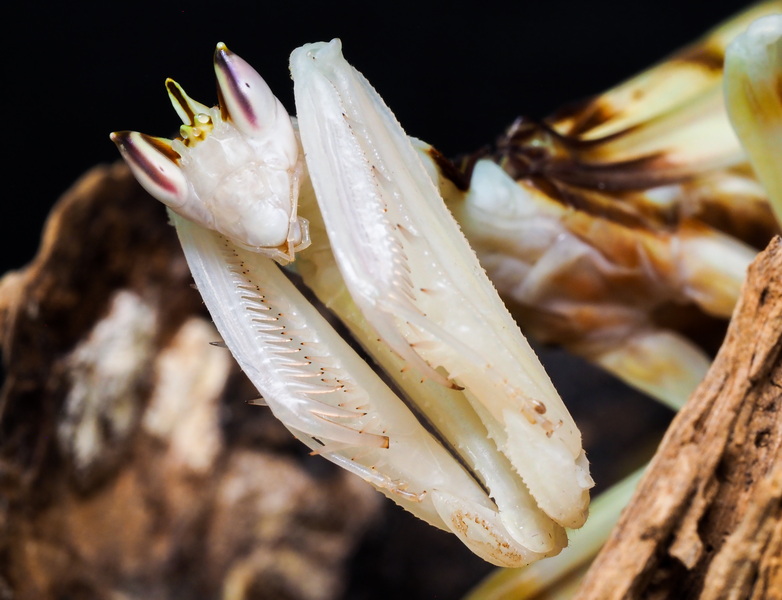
[(587, 226), (243, 180), (504, 469)]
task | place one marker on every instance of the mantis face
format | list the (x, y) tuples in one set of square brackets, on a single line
[(234, 169)]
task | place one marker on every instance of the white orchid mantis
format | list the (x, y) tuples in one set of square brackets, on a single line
[(481, 444), (594, 225)]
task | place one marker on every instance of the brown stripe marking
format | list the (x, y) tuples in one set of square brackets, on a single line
[(239, 92), (176, 93), (713, 59)]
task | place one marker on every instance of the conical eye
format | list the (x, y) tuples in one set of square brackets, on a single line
[(244, 95), (154, 164)]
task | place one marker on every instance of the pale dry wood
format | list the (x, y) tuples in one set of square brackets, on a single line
[(706, 519)]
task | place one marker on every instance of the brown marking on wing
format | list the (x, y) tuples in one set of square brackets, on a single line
[(596, 113), (449, 170), (602, 206), (571, 123), (547, 153), (711, 58), (531, 146), (639, 173), (576, 118), (533, 152)]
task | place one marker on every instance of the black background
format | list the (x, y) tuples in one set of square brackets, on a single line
[(455, 75)]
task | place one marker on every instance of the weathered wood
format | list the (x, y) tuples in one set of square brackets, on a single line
[(706, 520)]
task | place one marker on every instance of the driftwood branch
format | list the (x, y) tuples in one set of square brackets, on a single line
[(706, 520)]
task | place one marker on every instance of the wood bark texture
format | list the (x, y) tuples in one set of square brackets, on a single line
[(706, 520)]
